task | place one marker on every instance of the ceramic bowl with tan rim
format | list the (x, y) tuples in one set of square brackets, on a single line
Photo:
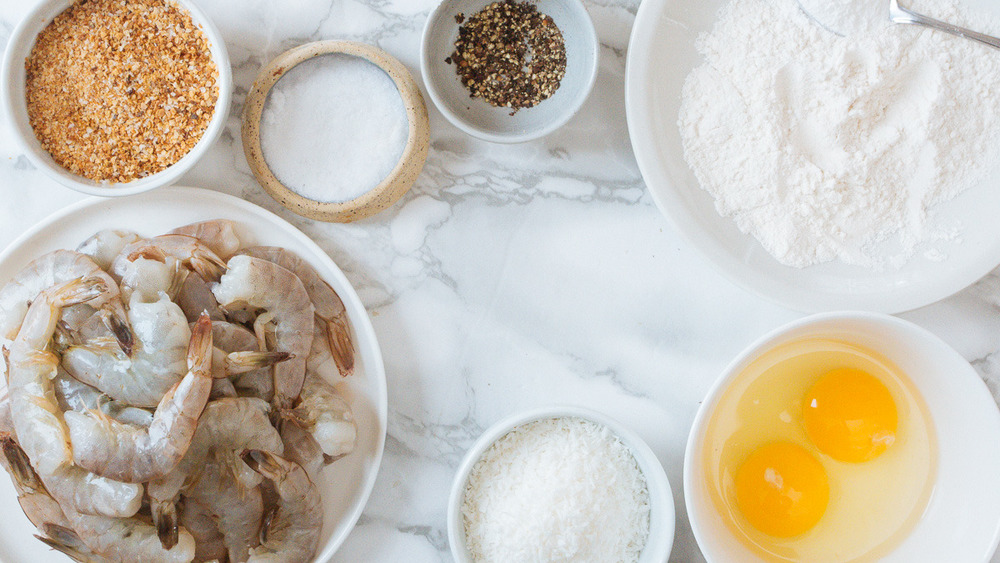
[(392, 187), (16, 107)]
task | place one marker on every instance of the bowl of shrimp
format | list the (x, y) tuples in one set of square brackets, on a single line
[(187, 395)]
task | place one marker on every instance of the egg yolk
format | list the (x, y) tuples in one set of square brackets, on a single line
[(782, 490), (850, 415)]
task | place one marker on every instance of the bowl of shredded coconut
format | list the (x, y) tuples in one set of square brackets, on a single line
[(820, 171), (560, 484)]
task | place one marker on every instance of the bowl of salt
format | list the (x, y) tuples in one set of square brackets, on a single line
[(335, 130)]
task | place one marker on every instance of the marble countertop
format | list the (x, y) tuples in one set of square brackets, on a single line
[(509, 277)]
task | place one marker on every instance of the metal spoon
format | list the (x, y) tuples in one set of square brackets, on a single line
[(897, 14)]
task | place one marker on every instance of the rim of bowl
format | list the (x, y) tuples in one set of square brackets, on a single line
[(392, 187), (659, 543), (426, 60), (695, 441), (15, 108)]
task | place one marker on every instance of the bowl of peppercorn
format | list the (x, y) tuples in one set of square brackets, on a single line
[(509, 71)]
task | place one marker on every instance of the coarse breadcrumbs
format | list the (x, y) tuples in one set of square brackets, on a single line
[(120, 89)]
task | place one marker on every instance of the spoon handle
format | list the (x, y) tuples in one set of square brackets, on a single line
[(899, 14)]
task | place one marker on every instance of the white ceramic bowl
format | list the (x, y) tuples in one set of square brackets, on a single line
[(661, 53), (661, 500), (16, 110), (962, 520), (476, 116)]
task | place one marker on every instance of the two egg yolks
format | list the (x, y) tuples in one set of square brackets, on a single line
[(781, 488)]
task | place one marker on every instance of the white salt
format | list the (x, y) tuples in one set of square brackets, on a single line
[(333, 128)]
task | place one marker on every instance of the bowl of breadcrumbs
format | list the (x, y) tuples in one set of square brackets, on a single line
[(116, 97)]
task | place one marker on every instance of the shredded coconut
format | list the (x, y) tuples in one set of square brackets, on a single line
[(829, 148), (333, 128), (562, 489)]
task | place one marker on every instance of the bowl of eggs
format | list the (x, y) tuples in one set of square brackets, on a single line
[(846, 436)]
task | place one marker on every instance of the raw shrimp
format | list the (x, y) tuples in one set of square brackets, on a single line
[(218, 234), (196, 296), (125, 539), (136, 455), (108, 325), (69, 543), (191, 253), (41, 509), (75, 396), (35, 501), (150, 276), (227, 427), (286, 304), (237, 510), (157, 363), (291, 534), (326, 416), (37, 419), (330, 310), (46, 271), (236, 352), (196, 519), (104, 246), (302, 448), (38, 423)]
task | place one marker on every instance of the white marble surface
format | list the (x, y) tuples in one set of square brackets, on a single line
[(509, 277)]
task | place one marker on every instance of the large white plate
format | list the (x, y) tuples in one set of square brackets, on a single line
[(346, 484), (661, 54)]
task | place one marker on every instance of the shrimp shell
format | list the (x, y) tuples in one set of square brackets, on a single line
[(218, 234), (282, 296), (136, 455), (227, 426), (196, 519), (192, 253), (104, 246), (46, 271), (158, 360), (237, 510), (291, 535), (323, 413), (330, 310)]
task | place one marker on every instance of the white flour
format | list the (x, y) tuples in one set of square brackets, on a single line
[(828, 148)]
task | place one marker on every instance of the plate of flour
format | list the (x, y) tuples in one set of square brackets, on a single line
[(820, 171)]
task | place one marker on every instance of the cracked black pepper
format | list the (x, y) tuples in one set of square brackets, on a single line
[(510, 55)]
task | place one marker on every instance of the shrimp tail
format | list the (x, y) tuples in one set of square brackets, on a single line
[(338, 336), (122, 331), (242, 362), (265, 463), (165, 519), (200, 349), (207, 265), (20, 465), (149, 252), (299, 416), (177, 281), (67, 542), (79, 290)]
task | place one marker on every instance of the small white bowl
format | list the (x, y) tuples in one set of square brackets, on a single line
[(661, 500), (962, 519), (477, 117), (15, 105)]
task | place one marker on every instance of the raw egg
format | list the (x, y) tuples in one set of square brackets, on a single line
[(820, 450), (782, 490), (850, 415)]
